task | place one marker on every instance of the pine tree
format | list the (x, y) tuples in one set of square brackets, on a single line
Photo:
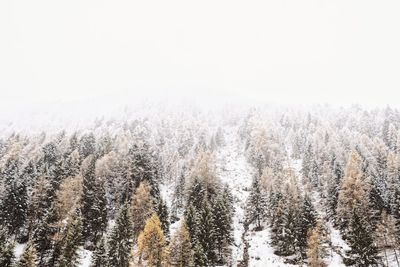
[(206, 232), (181, 254), (256, 205), (43, 236), (13, 207), (119, 244), (386, 235), (94, 203), (222, 218), (162, 212), (306, 221), (28, 258), (363, 251), (152, 244), (99, 258), (142, 207), (6, 250), (71, 241)]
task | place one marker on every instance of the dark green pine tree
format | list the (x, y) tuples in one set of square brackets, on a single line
[(200, 257), (206, 232), (94, 203), (363, 251), (119, 244), (13, 207), (142, 167), (162, 212), (87, 145), (6, 250), (306, 221), (222, 218), (70, 243), (99, 258), (256, 205), (43, 236)]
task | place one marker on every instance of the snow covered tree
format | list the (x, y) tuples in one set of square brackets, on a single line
[(44, 236), (152, 243), (180, 252), (386, 235), (163, 215), (316, 251), (94, 203), (87, 145), (99, 258), (13, 206), (119, 244), (353, 194), (305, 222), (256, 205), (222, 217), (6, 250), (71, 241), (28, 258), (363, 251)]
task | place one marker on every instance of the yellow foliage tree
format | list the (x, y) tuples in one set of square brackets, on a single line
[(152, 244), (315, 247)]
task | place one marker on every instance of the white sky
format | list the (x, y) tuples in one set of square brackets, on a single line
[(289, 51)]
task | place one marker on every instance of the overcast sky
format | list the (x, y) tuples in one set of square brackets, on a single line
[(274, 51)]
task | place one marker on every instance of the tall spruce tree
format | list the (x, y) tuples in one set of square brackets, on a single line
[(120, 241), (6, 249), (94, 203), (99, 258), (256, 205)]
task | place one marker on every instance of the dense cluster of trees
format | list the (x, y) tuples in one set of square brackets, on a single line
[(115, 189), (99, 190), (350, 163)]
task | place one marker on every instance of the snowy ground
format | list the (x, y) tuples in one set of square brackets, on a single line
[(233, 169)]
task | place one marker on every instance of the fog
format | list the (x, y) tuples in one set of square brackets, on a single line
[(119, 52)]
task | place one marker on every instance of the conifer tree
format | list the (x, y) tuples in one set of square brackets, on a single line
[(181, 254), (306, 222), (354, 193), (119, 244), (71, 241), (162, 212), (316, 250), (363, 251), (94, 203), (206, 232), (99, 258), (6, 250), (386, 235), (28, 258), (44, 235), (222, 227), (256, 205), (152, 244), (142, 207), (13, 207)]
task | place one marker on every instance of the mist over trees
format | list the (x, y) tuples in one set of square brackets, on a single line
[(314, 185)]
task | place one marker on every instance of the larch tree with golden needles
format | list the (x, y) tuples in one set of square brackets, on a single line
[(354, 192), (142, 207), (315, 247), (152, 244)]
